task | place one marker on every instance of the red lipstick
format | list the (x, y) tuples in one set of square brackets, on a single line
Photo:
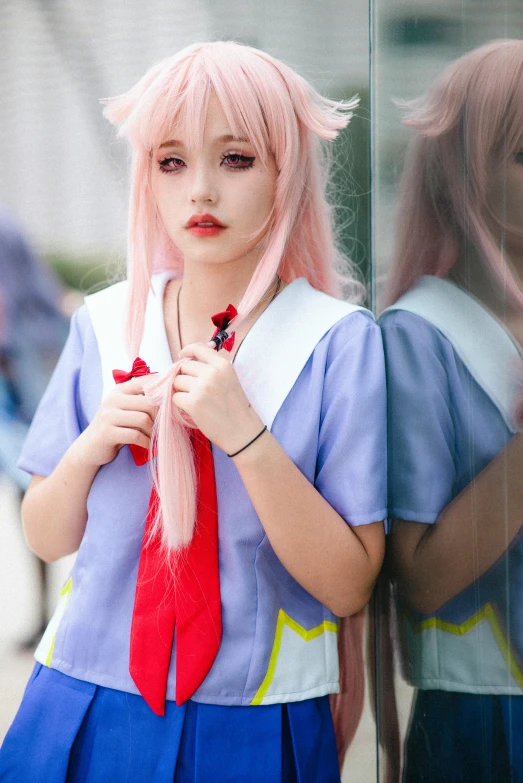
[(205, 225)]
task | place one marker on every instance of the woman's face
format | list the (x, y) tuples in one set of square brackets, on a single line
[(506, 203), (213, 200)]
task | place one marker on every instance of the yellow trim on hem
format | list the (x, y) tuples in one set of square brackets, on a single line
[(65, 591), (307, 636), (487, 613)]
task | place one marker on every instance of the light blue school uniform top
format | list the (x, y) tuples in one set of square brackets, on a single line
[(279, 643)]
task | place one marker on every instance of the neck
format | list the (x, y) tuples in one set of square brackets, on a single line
[(209, 288), (206, 289)]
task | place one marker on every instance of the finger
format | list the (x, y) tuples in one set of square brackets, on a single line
[(134, 419), (126, 436), (184, 383), (224, 353), (202, 352), (194, 367), (181, 400), (136, 402), (187, 419), (134, 386)]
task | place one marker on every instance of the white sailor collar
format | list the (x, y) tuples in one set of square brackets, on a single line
[(272, 355), (483, 344)]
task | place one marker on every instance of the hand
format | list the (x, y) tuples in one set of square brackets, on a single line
[(124, 417), (207, 390)]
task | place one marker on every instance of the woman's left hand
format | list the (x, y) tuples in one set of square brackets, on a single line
[(207, 390)]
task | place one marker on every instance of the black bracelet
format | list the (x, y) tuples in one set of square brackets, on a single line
[(249, 443)]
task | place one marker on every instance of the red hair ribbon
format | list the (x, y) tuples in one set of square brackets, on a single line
[(138, 369), (221, 338)]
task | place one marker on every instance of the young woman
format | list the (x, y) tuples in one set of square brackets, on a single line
[(453, 338), (197, 636)]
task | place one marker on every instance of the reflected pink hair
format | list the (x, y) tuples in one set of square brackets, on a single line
[(284, 117), (470, 121)]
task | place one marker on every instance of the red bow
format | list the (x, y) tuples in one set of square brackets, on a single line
[(139, 368), (221, 322)]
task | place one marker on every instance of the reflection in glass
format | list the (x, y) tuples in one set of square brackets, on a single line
[(453, 333)]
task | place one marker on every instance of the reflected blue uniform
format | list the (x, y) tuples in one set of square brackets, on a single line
[(467, 658)]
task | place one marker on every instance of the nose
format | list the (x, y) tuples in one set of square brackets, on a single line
[(203, 188)]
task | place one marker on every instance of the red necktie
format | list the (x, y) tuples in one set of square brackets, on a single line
[(187, 602)]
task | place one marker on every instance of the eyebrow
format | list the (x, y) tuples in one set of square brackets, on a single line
[(227, 138)]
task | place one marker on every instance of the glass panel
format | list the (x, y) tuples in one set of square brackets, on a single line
[(447, 253)]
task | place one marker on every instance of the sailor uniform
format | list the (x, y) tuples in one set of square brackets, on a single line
[(313, 369)]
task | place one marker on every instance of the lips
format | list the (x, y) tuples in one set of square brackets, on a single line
[(203, 221), (204, 226)]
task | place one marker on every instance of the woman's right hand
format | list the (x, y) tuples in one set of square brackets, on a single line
[(124, 418)]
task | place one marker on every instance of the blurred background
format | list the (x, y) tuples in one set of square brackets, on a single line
[(62, 170), (64, 177)]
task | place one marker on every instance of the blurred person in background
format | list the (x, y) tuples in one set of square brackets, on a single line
[(33, 330), (197, 637), (453, 336)]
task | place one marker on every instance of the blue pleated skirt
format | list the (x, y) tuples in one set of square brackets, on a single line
[(71, 731)]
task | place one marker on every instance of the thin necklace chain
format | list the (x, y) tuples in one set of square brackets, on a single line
[(275, 294)]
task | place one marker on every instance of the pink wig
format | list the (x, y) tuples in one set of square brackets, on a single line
[(283, 117), (469, 122)]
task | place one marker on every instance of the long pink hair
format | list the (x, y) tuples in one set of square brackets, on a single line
[(470, 121), (285, 117), (282, 115)]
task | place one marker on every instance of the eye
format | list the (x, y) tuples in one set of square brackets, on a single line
[(171, 163), (235, 160), (518, 157)]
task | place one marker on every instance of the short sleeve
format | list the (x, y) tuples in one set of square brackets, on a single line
[(59, 418), (421, 432), (352, 452)]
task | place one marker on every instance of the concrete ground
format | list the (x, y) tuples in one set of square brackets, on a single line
[(18, 619)]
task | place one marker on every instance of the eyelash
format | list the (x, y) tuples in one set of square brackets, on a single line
[(246, 160), (165, 163)]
